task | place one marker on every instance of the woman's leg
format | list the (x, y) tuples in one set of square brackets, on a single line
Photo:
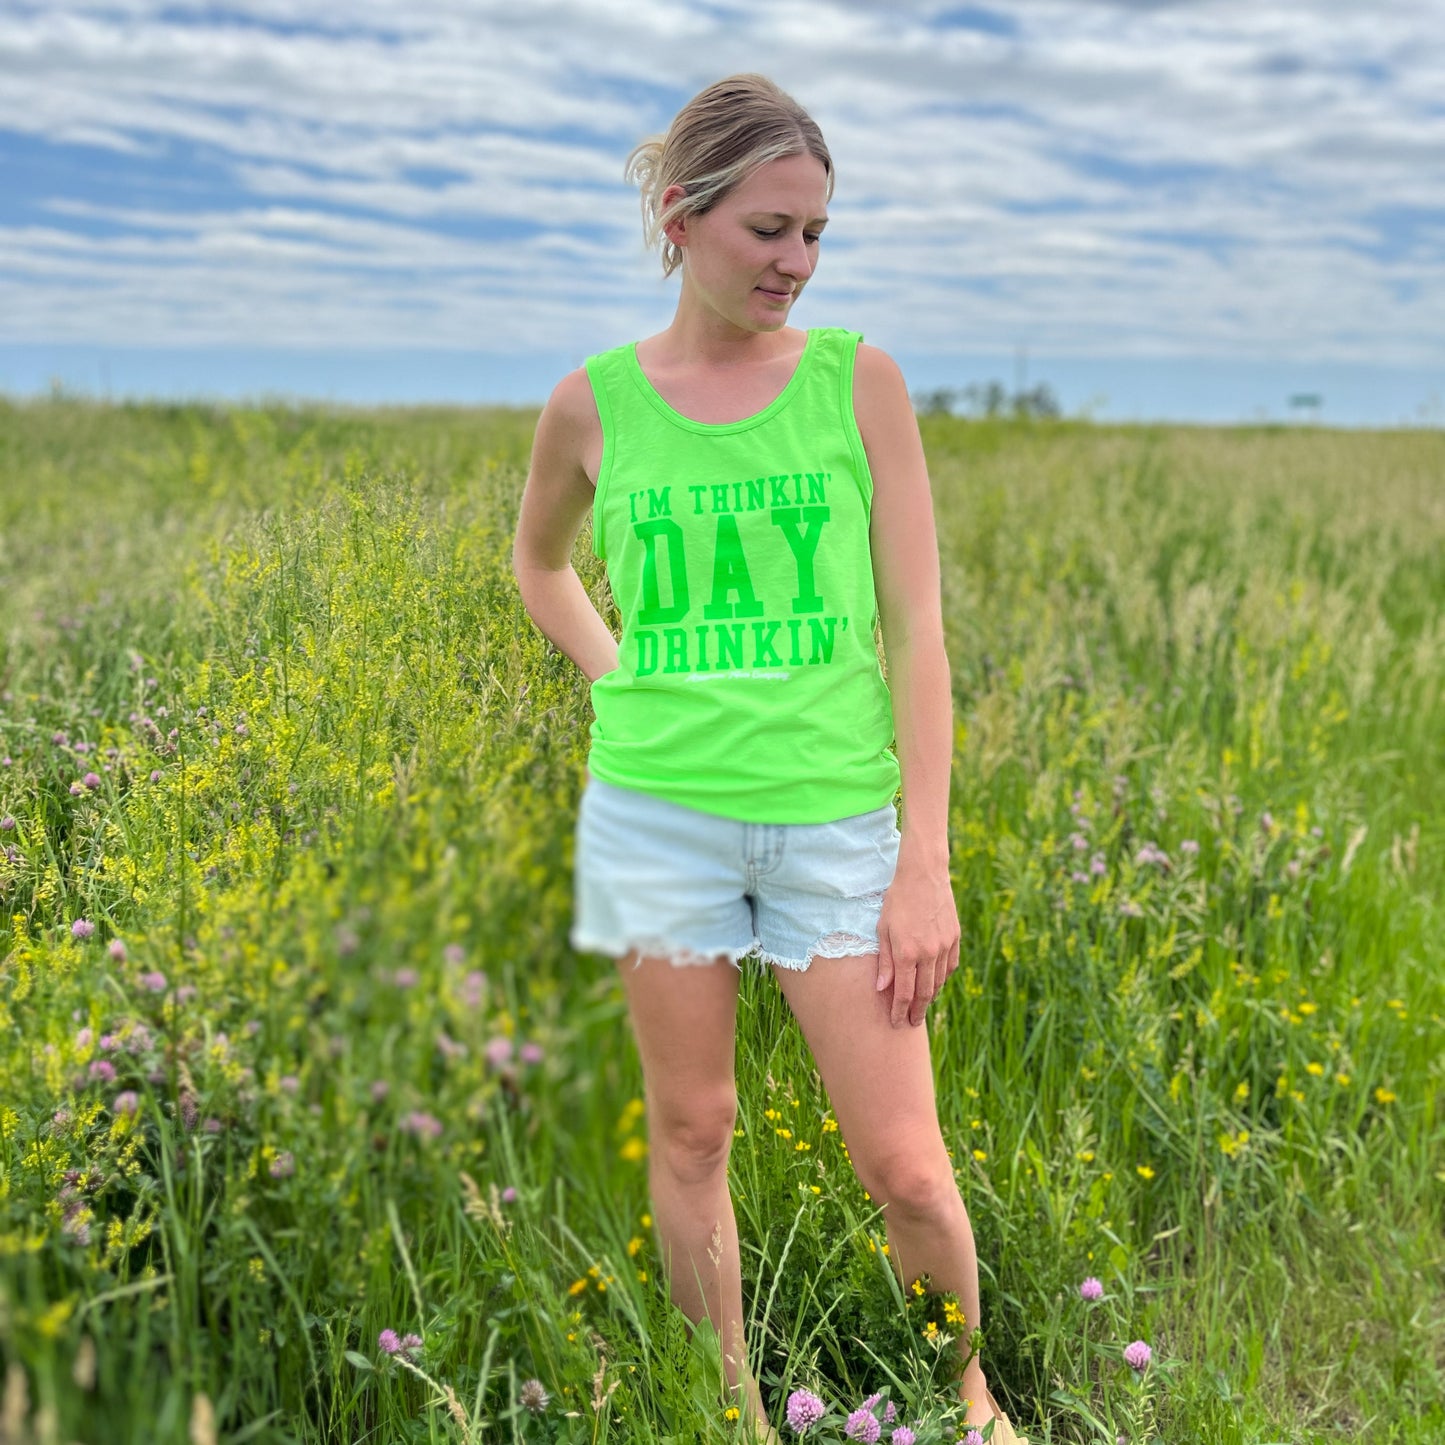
[(880, 1083), (684, 1018)]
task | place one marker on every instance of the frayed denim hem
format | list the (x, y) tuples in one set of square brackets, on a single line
[(680, 955), (831, 945)]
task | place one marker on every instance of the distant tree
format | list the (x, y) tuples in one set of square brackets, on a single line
[(1038, 402), (987, 399), (937, 402)]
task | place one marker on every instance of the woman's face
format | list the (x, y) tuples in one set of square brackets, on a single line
[(751, 255)]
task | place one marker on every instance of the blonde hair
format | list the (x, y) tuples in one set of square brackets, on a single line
[(715, 142)]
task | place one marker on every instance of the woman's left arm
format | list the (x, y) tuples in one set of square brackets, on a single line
[(918, 930)]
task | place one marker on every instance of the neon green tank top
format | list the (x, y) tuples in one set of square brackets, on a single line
[(748, 681)]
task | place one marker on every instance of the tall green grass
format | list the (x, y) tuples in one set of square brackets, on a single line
[(1194, 1049)]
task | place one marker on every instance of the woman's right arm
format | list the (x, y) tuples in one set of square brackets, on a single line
[(557, 497)]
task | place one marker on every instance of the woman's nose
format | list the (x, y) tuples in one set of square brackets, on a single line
[(796, 261)]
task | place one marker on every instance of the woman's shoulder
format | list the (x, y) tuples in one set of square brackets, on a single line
[(570, 422), (875, 373)]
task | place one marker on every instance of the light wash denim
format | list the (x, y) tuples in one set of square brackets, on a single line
[(676, 883)]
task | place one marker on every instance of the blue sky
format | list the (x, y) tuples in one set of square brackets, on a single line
[(1188, 211)]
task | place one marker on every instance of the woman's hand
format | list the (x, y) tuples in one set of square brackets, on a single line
[(918, 936)]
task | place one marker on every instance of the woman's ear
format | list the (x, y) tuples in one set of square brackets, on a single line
[(676, 229)]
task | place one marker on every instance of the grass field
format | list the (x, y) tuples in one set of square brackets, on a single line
[(293, 1049)]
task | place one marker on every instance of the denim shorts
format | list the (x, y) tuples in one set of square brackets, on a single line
[(676, 883)]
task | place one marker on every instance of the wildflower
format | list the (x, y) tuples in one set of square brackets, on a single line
[(7, 824), (405, 978), (116, 950), (1385, 1096), (509, 1195), (154, 981), (82, 928), (890, 1411), (1091, 1288), (1130, 909), (283, 1166), (126, 1102), (76, 789), (1098, 866), (862, 1425), (102, 1069), (533, 1396), (91, 781), (454, 954), (1077, 877), (289, 1083), (1188, 845), (1144, 1171), (498, 1051), (389, 1342), (411, 1343), (974, 1437), (1137, 1355), (903, 1436), (531, 1053), (449, 1046), (83, 1038), (422, 1124), (804, 1409), (188, 1110)]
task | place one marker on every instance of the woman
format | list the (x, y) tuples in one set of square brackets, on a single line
[(760, 497)]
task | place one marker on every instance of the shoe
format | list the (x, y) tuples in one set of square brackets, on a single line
[(1003, 1430)]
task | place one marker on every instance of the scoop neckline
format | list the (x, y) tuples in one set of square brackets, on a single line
[(777, 403)]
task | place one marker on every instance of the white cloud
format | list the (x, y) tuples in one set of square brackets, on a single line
[(1293, 126)]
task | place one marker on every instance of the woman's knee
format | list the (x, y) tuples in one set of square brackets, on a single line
[(693, 1141), (916, 1184)]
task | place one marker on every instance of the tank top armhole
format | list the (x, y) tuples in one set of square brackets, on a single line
[(851, 341), (604, 467)]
